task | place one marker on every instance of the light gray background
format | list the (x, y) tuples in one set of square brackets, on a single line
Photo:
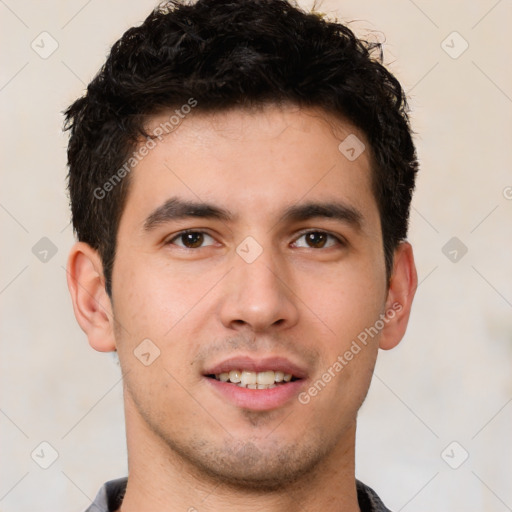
[(449, 380)]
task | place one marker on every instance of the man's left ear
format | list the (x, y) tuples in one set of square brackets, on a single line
[(402, 287)]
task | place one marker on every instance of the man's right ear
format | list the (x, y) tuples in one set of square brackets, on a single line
[(91, 303)]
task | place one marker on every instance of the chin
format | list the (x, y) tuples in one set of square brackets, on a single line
[(252, 467)]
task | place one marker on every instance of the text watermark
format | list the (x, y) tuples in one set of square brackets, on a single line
[(354, 349), (162, 129)]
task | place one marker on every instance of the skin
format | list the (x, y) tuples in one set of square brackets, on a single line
[(305, 299)]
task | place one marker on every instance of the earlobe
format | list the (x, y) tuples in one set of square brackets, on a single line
[(402, 288), (91, 304)]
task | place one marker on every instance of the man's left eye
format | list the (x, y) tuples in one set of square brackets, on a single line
[(318, 240), (191, 239)]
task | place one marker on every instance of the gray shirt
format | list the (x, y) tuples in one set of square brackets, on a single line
[(111, 495)]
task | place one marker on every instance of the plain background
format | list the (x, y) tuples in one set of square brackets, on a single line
[(444, 394)]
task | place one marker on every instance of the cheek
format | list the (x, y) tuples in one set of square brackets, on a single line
[(163, 304), (347, 300), (348, 304), (150, 299)]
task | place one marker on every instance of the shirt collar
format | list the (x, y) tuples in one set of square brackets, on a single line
[(111, 495)]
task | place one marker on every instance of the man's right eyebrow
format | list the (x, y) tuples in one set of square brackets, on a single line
[(178, 209)]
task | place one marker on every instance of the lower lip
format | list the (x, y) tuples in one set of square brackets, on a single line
[(257, 399)]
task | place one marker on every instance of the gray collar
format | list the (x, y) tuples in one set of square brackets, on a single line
[(111, 495)]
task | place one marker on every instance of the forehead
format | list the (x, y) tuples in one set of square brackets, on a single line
[(254, 161)]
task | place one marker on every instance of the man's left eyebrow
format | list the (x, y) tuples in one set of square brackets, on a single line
[(332, 210)]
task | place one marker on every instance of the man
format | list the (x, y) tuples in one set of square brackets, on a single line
[(240, 180)]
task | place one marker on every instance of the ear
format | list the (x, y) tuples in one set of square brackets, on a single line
[(91, 303), (402, 287)]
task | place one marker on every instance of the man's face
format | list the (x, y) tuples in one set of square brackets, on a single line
[(273, 284)]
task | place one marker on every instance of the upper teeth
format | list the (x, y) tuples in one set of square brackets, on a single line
[(254, 380)]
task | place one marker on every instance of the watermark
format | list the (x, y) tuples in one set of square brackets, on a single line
[(454, 249), (351, 147), (454, 45), (44, 45), (44, 455), (44, 250), (343, 360), (249, 249), (455, 455), (143, 150), (146, 352)]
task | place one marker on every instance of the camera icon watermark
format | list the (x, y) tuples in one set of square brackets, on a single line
[(249, 249), (351, 147), (44, 250), (44, 45), (454, 249), (454, 45), (44, 455), (147, 352), (455, 455)]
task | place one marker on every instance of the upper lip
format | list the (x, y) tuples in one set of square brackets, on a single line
[(257, 365)]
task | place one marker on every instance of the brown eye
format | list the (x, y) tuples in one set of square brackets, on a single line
[(317, 240), (190, 239)]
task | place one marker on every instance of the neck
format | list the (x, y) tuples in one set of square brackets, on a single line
[(160, 479)]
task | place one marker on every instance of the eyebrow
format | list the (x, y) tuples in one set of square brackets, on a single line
[(333, 210), (177, 209)]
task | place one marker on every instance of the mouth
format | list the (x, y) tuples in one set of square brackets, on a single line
[(267, 379), (256, 384)]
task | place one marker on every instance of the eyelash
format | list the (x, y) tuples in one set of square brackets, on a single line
[(340, 241)]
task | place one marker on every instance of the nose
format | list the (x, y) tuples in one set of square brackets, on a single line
[(256, 295)]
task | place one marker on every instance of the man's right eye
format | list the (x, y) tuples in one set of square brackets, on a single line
[(190, 239)]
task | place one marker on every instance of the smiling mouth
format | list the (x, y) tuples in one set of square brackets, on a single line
[(254, 380)]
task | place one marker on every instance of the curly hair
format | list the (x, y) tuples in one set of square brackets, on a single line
[(234, 54)]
